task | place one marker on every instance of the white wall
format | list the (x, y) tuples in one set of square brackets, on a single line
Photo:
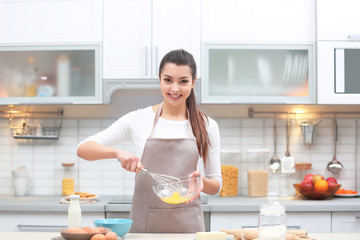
[(43, 158)]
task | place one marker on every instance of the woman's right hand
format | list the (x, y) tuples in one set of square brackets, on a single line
[(129, 161)]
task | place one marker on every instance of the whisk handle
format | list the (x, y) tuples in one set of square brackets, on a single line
[(143, 170)]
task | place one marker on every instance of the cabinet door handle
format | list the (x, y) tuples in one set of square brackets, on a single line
[(355, 36), (146, 61), (40, 226)]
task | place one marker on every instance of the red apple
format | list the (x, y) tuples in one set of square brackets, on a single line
[(309, 177), (331, 179), (306, 187)]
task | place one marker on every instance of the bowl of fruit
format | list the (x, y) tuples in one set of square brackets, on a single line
[(316, 187)]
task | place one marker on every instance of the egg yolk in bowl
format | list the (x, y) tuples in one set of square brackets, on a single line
[(175, 198)]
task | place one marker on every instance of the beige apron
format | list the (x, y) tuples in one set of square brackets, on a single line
[(175, 157)]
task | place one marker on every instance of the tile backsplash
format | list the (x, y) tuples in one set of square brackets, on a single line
[(43, 158)]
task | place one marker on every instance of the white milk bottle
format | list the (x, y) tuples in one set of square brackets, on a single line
[(272, 219), (74, 212)]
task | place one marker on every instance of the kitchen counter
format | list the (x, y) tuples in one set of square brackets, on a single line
[(292, 204), (213, 204), (130, 236), (47, 203)]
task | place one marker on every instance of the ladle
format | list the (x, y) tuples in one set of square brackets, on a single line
[(275, 162), (334, 166)]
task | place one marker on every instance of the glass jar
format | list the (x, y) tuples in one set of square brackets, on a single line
[(272, 219), (257, 172), (230, 164)]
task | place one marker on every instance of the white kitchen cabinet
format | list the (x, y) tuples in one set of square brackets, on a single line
[(258, 73), (127, 39), (258, 20), (50, 74), (345, 222), (42, 221), (337, 72), (138, 33), (299, 220), (338, 20), (56, 21)]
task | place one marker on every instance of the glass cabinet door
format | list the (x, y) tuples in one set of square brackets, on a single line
[(248, 73), (50, 74)]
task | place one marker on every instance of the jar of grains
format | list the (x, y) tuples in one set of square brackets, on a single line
[(230, 163), (257, 172)]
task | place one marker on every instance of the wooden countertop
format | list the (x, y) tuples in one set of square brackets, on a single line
[(148, 236)]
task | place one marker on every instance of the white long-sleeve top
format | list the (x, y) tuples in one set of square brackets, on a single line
[(136, 127)]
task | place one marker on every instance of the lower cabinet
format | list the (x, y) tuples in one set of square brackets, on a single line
[(42, 221), (313, 222), (345, 222), (125, 214)]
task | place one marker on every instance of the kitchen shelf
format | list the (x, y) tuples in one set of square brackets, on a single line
[(47, 133), (24, 131)]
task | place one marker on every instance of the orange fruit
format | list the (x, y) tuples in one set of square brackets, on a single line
[(340, 191), (321, 186), (354, 192), (348, 191)]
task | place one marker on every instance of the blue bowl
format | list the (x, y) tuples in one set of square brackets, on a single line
[(120, 226)]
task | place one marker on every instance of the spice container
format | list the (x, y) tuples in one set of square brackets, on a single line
[(257, 172), (272, 219)]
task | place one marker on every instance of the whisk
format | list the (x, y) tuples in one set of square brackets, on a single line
[(166, 181)]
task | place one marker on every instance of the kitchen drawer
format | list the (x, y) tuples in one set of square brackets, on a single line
[(345, 222), (42, 221), (298, 220)]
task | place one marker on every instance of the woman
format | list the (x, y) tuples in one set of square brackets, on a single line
[(170, 137)]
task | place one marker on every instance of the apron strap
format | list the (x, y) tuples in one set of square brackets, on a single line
[(159, 111)]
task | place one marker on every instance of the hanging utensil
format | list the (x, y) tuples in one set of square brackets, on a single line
[(287, 162), (334, 166), (275, 161)]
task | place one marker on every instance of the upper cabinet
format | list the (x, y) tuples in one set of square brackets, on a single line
[(56, 21), (338, 52), (258, 73), (127, 39), (49, 74), (50, 51), (138, 33), (338, 20), (258, 20)]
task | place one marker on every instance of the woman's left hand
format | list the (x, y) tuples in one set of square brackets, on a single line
[(199, 188)]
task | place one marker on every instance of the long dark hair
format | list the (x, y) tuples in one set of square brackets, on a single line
[(197, 118)]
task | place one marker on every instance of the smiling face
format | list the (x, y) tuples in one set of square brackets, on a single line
[(176, 83)]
